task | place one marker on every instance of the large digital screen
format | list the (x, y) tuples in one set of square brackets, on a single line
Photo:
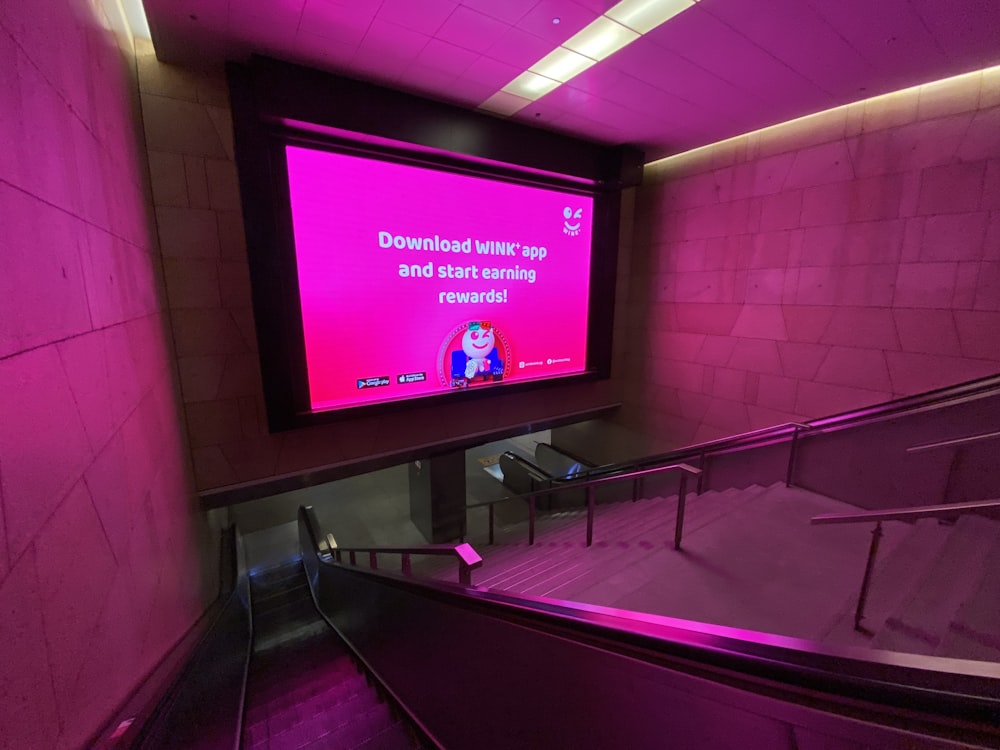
[(416, 281)]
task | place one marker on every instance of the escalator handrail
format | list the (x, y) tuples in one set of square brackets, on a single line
[(960, 694)]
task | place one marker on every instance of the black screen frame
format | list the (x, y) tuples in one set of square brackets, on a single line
[(276, 103)]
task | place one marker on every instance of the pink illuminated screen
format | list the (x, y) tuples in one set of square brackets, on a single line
[(416, 281)]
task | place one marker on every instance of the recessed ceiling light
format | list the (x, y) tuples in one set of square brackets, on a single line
[(646, 15), (530, 85), (600, 39), (562, 64), (619, 27)]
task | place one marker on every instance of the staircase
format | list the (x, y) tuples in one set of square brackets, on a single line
[(751, 559), (303, 690)]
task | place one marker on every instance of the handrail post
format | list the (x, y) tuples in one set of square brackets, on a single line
[(407, 570), (590, 515), (859, 613), (373, 559), (353, 560), (531, 519), (791, 457), (703, 465), (491, 523), (681, 499)]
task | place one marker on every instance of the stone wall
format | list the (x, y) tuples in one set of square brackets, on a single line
[(818, 266)]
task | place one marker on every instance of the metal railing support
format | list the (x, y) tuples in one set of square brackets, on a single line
[(405, 564), (791, 457), (373, 560), (859, 613), (703, 465), (353, 559), (681, 499), (491, 523), (464, 574), (590, 515)]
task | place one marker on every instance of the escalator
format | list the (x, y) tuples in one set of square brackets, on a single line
[(303, 688)]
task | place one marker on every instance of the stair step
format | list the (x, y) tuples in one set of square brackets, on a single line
[(919, 624), (905, 551), (974, 633)]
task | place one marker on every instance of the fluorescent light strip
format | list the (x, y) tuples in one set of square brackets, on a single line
[(646, 15), (619, 27)]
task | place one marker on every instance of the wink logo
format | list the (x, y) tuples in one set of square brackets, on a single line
[(569, 227)]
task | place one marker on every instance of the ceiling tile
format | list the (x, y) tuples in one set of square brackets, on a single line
[(795, 34), (446, 57), (471, 29), (721, 68), (347, 25), (393, 39), (425, 16), (509, 11), (572, 18), (967, 30), (697, 35), (519, 48), (491, 73)]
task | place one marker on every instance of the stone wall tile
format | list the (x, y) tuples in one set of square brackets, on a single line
[(756, 355), (763, 321), (978, 334), (765, 286), (180, 127), (43, 450), (991, 186), (916, 373), (200, 376), (801, 360), (196, 181), (951, 188), (43, 294), (857, 368), (925, 285), (819, 165), (988, 286), (168, 179), (806, 323), (865, 327), (980, 141), (214, 422), (948, 237), (927, 331), (192, 283), (729, 384), (777, 392), (823, 399), (223, 186), (27, 695), (187, 232), (71, 604), (942, 98)]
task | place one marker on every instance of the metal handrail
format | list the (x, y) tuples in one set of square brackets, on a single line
[(954, 441), (949, 510), (589, 485), (952, 510), (468, 558), (856, 418)]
